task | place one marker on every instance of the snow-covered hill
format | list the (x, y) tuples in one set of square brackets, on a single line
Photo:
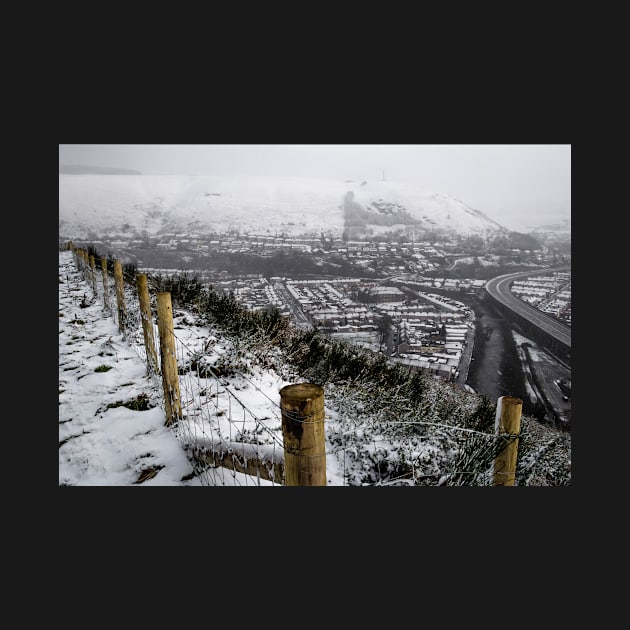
[(562, 227), (94, 205)]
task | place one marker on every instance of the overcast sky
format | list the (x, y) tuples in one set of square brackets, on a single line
[(520, 186)]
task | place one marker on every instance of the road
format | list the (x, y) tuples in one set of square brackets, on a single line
[(499, 288), (502, 367), (466, 357), (544, 374), (300, 319)]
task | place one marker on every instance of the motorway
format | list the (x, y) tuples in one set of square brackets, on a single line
[(499, 288)]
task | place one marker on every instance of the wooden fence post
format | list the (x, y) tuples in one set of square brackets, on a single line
[(169, 361), (93, 274), (147, 322), (507, 421), (302, 407), (105, 286), (120, 295)]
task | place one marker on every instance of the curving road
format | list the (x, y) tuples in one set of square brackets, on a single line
[(499, 289)]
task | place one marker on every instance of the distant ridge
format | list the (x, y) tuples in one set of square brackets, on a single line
[(82, 169), (562, 226)]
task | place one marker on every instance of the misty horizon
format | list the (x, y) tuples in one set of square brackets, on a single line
[(519, 186)]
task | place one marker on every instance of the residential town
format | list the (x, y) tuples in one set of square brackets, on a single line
[(401, 299), (385, 256)]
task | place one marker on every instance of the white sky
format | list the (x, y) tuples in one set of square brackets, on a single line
[(519, 186)]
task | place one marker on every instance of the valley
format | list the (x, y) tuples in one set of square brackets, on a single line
[(381, 264)]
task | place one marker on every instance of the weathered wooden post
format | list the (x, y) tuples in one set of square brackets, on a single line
[(507, 422), (120, 295), (147, 323), (168, 358), (302, 407), (105, 285), (93, 274)]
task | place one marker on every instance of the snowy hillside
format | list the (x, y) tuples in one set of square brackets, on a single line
[(562, 227), (91, 205)]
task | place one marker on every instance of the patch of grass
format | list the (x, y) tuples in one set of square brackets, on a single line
[(139, 403), (103, 368), (148, 473)]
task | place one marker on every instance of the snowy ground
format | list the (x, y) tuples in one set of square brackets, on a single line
[(101, 441), (111, 418)]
